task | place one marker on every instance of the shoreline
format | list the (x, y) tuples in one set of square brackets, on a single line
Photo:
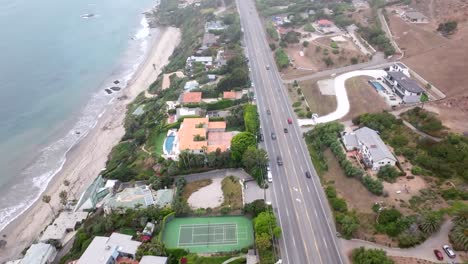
[(87, 159)]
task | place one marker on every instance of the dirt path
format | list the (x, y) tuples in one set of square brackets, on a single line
[(423, 251)]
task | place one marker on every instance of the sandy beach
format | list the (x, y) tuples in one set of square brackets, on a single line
[(88, 158)]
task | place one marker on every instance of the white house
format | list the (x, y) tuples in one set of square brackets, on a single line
[(190, 85), (39, 253), (415, 17), (400, 67), (106, 250), (214, 26), (372, 150), (406, 88)]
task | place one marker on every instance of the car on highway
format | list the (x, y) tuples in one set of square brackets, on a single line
[(449, 251), (279, 161), (268, 112), (269, 176), (260, 137), (438, 254), (307, 174), (289, 121), (273, 135), (285, 130), (268, 67)]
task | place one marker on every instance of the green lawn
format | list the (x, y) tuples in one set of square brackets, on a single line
[(157, 141)]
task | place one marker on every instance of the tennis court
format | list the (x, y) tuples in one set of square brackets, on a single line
[(209, 234)]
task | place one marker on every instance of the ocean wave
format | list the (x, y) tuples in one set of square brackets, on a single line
[(51, 159)]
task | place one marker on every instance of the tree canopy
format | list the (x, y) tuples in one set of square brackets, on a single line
[(240, 143)]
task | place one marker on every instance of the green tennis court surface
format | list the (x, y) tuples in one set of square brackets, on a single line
[(209, 234)]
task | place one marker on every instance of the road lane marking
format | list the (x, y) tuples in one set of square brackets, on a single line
[(308, 190), (316, 213), (299, 200), (325, 242)]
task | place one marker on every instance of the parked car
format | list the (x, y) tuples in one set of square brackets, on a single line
[(289, 121), (285, 130), (307, 174), (279, 161), (438, 254), (260, 137), (273, 135), (449, 251)]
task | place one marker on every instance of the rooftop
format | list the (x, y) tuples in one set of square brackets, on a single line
[(200, 59), (229, 95), (209, 39), (190, 85), (324, 22), (40, 253), (406, 82), (130, 197), (414, 15), (401, 65), (191, 97), (63, 224), (221, 140), (376, 146), (102, 249), (192, 127)]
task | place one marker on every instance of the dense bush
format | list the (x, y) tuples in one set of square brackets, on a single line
[(309, 28), (374, 186), (281, 58), (447, 28), (251, 119), (219, 105), (370, 256), (388, 173), (376, 37), (240, 143)]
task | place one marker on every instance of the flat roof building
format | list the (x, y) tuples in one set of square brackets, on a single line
[(106, 250)]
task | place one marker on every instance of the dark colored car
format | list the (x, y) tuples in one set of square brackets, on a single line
[(285, 130), (279, 161), (273, 135), (260, 137), (268, 112), (289, 121), (307, 175), (438, 254)]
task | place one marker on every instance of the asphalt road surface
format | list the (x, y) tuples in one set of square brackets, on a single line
[(308, 232)]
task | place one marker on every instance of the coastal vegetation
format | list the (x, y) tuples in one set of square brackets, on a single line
[(447, 159)]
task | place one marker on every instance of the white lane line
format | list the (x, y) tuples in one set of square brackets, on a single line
[(316, 213), (287, 211), (325, 242), (308, 190), (281, 185)]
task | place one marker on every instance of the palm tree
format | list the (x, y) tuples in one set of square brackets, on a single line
[(459, 236), (63, 197), (461, 217), (430, 222), (46, 199)]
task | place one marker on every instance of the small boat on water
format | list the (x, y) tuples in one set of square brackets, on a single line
[(89, 15)]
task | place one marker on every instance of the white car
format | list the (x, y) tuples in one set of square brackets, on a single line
[(269, 176), (449, 251)]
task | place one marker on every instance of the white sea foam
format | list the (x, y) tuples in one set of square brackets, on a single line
[(51, 160)]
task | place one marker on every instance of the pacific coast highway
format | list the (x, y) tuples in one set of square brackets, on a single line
[(308, 232)]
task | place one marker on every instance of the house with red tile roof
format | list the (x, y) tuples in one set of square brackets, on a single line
[(199, 135), (190, 97)]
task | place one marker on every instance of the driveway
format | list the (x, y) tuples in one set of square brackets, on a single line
[(341, 96), (423, 251), (240, 173)]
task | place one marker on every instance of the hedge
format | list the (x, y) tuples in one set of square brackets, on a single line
[(165, 220)]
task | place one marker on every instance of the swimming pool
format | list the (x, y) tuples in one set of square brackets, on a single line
[(377, 86), (169, 143)]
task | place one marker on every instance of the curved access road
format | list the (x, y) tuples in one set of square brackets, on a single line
[(341, 96)]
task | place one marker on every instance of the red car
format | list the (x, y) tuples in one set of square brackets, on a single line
[(438, 254), (289, 121)]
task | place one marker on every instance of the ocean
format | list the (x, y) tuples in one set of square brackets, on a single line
[(55, 62)]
